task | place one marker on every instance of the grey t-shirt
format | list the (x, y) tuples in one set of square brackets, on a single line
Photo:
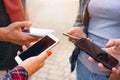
[(104, 25)]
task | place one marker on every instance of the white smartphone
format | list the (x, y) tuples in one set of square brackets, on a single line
[(39, 47), (37, 31)]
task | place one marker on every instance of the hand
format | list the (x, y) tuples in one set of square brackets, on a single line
[(113, 42), (36, 62), (13, 33), (76, 31), (115, 72), (33, 64)]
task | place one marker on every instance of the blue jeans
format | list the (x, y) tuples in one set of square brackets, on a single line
[(84, 74)]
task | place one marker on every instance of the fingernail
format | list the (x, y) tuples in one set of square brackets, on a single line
[(49, 53)]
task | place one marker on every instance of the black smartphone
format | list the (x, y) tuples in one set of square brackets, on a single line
[(39, 47), (97, 53), (71, 36)]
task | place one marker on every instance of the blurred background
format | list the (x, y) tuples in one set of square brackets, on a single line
[(59, 15)]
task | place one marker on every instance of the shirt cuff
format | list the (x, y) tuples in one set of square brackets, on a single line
[(17, 73)]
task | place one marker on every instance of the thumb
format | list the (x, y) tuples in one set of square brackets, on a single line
[(49, 52), (24, 24), (18, 52), (45, 55), (115, 71), (114, 42)]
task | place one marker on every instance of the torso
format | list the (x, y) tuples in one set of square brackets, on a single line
[(104, 24)]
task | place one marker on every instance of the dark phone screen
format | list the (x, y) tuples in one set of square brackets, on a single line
[(37, 48), (97, 53)]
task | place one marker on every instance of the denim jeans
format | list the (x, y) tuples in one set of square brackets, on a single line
[(82, 73)]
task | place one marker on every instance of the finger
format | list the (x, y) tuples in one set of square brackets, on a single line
[(101, 66), (25, 29), (23, 24), (115, 74), (71, 31), (49, 52), (113, 51), (24, 47), (18, 52), (109, 44), (72, 40), (91, 59), (117, 48), (45, 55), (115, 71), (115, 42)]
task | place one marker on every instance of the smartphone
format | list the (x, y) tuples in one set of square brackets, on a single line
[(97, 53), (39, 47), (71, 36), (37, 31)]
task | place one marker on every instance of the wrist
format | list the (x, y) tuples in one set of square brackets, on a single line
[(3, 34), (31, 62)]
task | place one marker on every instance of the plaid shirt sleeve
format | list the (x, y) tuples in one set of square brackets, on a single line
[(18, 73)]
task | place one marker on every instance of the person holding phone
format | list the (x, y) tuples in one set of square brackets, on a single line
[(96, 21), (10, 11), (23, 71), (13, 33), (113, 48)]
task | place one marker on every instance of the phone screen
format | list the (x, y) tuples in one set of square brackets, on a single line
[(37, 48), (97, 53)]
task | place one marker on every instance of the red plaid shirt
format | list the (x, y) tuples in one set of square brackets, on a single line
[(18, 73)]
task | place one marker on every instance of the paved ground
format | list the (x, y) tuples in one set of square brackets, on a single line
[(58, 15)]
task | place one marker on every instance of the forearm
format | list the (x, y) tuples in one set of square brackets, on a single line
[(32, 64)]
